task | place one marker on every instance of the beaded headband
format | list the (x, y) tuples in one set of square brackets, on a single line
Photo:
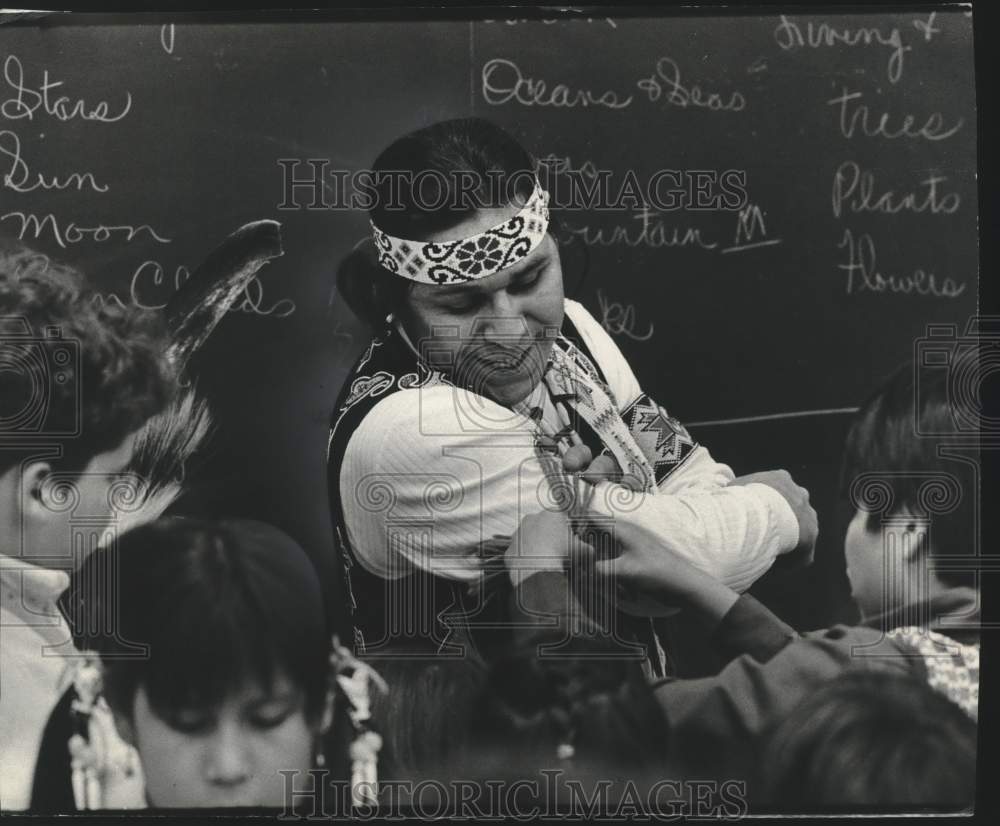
[(467, 259)]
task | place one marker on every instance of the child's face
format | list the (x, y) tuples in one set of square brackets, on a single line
[(70, 502), (866, 569), (229, 755)]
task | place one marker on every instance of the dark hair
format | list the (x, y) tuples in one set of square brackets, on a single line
[(424, 717), (871, 738), (885, 439), (370, 290), (407, 208), (119, 380), (413, 207), (585, 696), (217, 605)]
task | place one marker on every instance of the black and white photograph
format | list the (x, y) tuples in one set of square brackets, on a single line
[(513, 412)]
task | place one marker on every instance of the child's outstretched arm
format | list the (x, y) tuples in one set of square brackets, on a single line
[(645, 562), (546, 545)]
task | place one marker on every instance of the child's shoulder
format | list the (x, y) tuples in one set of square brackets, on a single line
[(859, 644)]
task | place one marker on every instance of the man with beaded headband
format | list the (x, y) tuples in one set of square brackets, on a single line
[(444, 433)]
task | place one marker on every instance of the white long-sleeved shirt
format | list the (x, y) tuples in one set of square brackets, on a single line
[(434, 471)]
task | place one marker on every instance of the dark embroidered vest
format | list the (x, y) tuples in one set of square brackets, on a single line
[(421, 614)]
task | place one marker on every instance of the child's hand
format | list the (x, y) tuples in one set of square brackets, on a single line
[(642, 563), (543, 541), (579, 459), (636, 557)]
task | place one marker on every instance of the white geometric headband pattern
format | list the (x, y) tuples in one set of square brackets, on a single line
[(467, 259)]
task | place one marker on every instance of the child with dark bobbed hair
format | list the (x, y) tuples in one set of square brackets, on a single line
[(214, 660)]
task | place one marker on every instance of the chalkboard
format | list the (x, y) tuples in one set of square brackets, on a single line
[(133, 149), (857, 139), (765, 325)]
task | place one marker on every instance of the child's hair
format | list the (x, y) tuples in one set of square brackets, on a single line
[(581, 709), (885, 439), (104, 379), (424, 717), (426, 182), (869, 739), (217, 605)]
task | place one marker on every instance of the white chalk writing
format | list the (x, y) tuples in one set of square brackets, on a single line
[(28, 100), (73, 233), (167, 36), (20, 178), (151, 289), (665, 83), (652, 234), (854, 189), (619, 319), (927, 27), (253, 302), (563, 164), (855, 118), (502, 82), (863, 274), (789, 35), (751, 232)]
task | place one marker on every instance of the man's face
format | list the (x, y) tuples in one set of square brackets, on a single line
[(495, 333)]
